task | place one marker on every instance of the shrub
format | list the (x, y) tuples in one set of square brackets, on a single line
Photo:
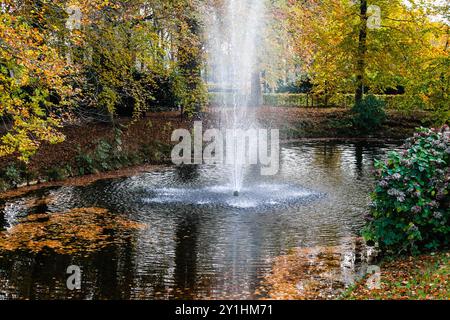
[(85, 163), (411, 209), (369, 113), (57, 174), (103, 155), (12, 173), (4, 185), (15, 173)]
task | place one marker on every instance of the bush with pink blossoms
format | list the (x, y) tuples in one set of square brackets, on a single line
[(411, 202)]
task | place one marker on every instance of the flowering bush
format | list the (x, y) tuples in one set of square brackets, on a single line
[(411, 202)]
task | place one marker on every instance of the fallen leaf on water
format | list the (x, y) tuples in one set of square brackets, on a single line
[(78, 230)]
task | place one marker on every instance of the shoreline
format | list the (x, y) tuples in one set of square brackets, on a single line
[(142, 168), (132, 144), (82, 180)]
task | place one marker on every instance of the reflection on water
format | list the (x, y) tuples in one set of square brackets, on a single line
[(320, 272), (199, 240)]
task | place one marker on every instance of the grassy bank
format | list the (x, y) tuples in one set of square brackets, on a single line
[(424, 277)]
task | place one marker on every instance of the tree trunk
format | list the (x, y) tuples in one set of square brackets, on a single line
[(190, 61), (362, 50), (256, 93)]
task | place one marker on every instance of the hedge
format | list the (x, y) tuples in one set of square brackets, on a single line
[(303, 100)]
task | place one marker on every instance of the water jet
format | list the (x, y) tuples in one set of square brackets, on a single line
[(234, 46)]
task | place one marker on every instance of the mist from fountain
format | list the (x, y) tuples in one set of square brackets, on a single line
[(234, 31)]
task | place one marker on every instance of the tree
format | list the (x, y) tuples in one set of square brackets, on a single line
[(142, 54), (362, 51), (190, 57), (32, 90), (341, 54), (279, 62), (94, 57)]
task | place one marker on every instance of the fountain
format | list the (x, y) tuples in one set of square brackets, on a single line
[(233, 42), (180, 232)]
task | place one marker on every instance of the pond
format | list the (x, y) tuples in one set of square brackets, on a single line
[(179, 233)]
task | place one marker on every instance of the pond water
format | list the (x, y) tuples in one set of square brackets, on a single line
[(199, 241)]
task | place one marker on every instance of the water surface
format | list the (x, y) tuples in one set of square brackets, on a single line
[(199, 241)]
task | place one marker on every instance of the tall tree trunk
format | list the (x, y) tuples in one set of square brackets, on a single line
[(190, 60), (256, 92), (362, 50)]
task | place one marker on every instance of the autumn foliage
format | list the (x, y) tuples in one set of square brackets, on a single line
[(32, 88), (339, 49), (62, 62)]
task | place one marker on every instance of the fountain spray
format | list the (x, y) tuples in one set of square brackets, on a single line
[(233, 32)]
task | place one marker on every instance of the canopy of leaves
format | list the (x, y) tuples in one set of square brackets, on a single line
[(32, 88), (98, 58), (409, 49)]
